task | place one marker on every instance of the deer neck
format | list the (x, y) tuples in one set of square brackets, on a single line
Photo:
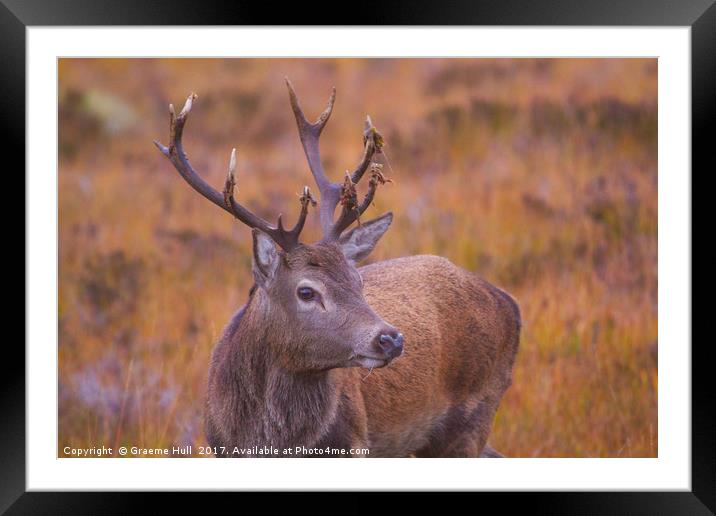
[(277, 406)]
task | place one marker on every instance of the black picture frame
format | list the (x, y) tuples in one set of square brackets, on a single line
[(700, 15)]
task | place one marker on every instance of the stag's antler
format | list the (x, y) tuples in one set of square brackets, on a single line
[(334, 193), (287, 239)]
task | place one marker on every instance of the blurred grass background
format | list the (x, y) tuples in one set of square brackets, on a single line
[(539, 175)]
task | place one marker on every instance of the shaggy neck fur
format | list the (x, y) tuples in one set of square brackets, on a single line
[(266, 404)]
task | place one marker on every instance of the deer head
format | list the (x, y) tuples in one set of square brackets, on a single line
[(310, 294)]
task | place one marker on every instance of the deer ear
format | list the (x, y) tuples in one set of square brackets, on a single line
[(360, 241), (266, 258)]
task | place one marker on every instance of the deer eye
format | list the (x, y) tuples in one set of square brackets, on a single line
[(306, 293)]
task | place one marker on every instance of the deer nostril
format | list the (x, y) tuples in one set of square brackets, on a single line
[(391, 345)]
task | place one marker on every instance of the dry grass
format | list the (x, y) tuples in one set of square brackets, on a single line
[(539, 175)]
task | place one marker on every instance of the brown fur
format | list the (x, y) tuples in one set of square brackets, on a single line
[(438, 399)]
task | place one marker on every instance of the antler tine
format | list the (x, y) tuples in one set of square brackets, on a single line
[(334, 193), (225, 200), (176, 155), (373, 142), (352, 211), (310, 134), (305, 199)]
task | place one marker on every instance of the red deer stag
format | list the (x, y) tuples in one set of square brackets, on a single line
[(285, 373)]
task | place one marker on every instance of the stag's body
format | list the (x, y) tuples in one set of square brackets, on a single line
[(438, 399), (286, 374)]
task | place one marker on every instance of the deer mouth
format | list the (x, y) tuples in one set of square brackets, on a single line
[(372, 362)]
